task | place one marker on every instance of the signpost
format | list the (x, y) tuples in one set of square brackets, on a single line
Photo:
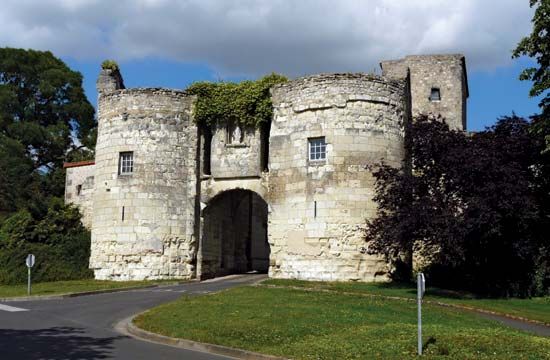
[(30, 263), (421, 289)]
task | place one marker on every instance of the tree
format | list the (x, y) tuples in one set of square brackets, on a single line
[(44, 118), (537, 46), (59, 241), (471, 207), (42, 105), (13, 164)]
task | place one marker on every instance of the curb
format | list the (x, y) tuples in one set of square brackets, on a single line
[(431, 302), (107, 291), (489, 312), (127, 327), (86, 293)]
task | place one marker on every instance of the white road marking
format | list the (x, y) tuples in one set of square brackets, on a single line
[(11, 308)]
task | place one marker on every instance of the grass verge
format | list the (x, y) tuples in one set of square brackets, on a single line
[(537, 308), (73, 286), (321, 325)]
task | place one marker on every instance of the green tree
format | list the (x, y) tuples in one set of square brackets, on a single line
[(45, 119), (42, 105), (537, 46), (474, 206), (58, 239), (14, 170)]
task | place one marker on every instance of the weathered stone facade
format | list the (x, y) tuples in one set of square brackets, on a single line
[(445, 73), (143, 222), (202, 202), (79, 188), (319, 207), (235, 158)]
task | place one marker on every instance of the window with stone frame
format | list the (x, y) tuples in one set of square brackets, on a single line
[(435, 94), (126, 163), (317, 149)]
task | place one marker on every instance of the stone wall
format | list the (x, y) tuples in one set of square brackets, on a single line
[(318, 209), (233, 158), (444, 72), (147, 225), (79, 188), (143, 223)]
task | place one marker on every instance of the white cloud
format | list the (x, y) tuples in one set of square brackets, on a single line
[(252, 37)]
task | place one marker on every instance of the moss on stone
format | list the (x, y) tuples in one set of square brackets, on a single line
[(110, 65)]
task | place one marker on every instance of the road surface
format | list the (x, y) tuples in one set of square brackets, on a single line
[(83, 327)]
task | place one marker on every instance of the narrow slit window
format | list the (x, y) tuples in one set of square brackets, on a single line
[(78, 189), (315, 209), (435, 94), (126, 163), (317, 149)]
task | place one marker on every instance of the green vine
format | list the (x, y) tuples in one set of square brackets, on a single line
[(247, 103)]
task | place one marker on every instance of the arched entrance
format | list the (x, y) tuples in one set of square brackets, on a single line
[(234, 235)]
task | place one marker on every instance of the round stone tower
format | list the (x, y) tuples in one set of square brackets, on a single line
[(325, 131), (145, 183)]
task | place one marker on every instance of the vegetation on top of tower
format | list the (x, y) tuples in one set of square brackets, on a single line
[(247, 103), (110, 65)]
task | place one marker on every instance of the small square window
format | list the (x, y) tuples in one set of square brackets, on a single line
[(435, 95), (317, 149), (126, 163)]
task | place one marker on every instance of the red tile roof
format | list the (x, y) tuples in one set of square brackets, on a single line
[(78, 163)]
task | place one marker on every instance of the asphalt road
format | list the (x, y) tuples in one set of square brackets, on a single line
[(83, 327)]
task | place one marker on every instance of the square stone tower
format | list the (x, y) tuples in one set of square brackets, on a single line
[(439, 85)]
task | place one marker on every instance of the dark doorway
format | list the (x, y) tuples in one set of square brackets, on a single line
[(235, 234)]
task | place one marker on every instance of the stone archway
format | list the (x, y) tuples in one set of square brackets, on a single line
[(234, 234)]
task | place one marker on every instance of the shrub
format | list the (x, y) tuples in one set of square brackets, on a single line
[(59, 241)]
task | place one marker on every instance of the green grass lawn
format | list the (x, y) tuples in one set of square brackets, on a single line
[(72, 286), (322, 325), (535, 308)]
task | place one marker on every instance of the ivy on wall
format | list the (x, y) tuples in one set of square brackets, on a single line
[(247, 103)]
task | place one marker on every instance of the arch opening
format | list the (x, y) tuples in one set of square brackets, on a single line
[(234, 236)]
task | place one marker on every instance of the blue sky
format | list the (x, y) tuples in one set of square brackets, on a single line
[(171, 43), (493, 93)]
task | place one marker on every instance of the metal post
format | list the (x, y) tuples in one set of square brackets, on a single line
[(420, 293), (29, 282)]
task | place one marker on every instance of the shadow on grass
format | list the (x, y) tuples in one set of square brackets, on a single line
[(431, 341), (438, 349), (62, 342)]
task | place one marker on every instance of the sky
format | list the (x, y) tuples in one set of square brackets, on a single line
[(165, 43)]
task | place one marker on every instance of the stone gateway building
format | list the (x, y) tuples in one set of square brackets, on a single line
[(166, 198)]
